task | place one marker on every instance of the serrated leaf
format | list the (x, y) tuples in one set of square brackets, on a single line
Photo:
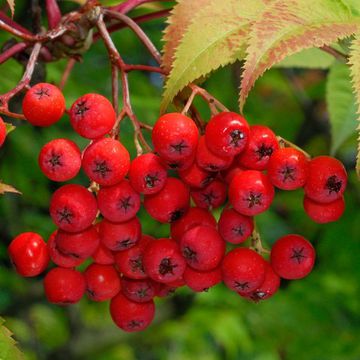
[(11, 4), (216, 37), (4, 188), (354, 61), (111, 2), (341, 105), (8, 348), (289, 26), (9, 128)]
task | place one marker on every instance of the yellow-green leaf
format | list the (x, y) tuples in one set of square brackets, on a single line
[(4, 188), (216, 37), (289, 26), (9, 128), (8, 348), (11, 4)]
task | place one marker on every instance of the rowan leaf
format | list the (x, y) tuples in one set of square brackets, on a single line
[(216, 37), (354, 61), (4, 188), (11, 4), (341, 105), (8, 348), (9, 128), (289, 26)]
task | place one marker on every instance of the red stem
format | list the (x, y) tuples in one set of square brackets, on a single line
[(53, 13), (13, 24), (7, 54), (130, 5)]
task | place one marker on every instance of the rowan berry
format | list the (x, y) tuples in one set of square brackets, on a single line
[(103, 255), (200, 280), (210, 197), (138, 290), (2, 132), (196, 177), (323, 213)]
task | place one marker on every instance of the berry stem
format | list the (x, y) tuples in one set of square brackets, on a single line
[(335, 53), (7, 54), (53, 13), (286, 143), (115, 87), (69, 66), (256, 243)]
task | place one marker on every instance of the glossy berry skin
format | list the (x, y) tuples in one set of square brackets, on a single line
[(170, 203), (64, 286), (200, 280), (202, 247), (120, 236), (175, 136), (288, 169), (326, 180), (182, 164), (92, 116), (79, 245), (60, 160), (194, 217), (260, 147), (210, 197), (2, 132), (292, 257), (103, 255), (106, 162), (210, 161), (147, 174), (129, 315), (163, 261), (119, 203), (102, 282), (73, 208), (138, 290), (196, 177), (43, 105), (29, 254), (226, 134), (324, 213), (251, 192), (243, 270), (234, 227)]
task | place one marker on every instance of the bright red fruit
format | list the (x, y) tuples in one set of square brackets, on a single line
[(200, 280), (103, 255), (138, 290), (29, 254), (324, 213), (196, 177), (210, 197), (2, 132)]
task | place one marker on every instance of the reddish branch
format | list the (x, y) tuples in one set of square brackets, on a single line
[(7, 54), (53, 13)]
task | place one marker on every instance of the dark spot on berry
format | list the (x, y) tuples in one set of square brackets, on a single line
[(151, 180), (241, 286), (208, 180), (264, 151), (166, 267), (205, 289), (209, 197), (176, 215), (253, 199), (298, 255), (238, 230), (179, 147), (55, 160), (124, 244), (81, 108), (137, 265), (211, 167), (134, 324), (189, 254), (101, 168), (174, 165), (65, 215), (258, 295), (42, 92), (90, 292), (333, 184), (142, 292), (236, 137), (125, 203), (288, 173)]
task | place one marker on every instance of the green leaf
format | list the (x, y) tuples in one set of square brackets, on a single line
[(8, 349), (216, 37), (287, 27), (341, 105), (9, 128), (111, 2)]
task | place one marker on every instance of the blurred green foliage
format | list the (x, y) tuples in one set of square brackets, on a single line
[(312, 319)]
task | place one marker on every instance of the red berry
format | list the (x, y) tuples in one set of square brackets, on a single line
[(120, 236), (129, 315), (29, 254), (43, 105), (231, 172), (324, 213), (292, 257), (234, 227), (138, 290), (196, 177), (200, 280), (73, 208), (326, 180), (119, 203), (60, 160), (2, 132), (64, 286), (243, 270), (106, 162), (202, 247), (103, 255), (226, 134), (181, 164), (260, 147), (288, 169), (102, 282), (251, 192), (92, 116), (210, 197), (170, 203), (162, 260)]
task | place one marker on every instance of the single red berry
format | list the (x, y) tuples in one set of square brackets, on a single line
[(106, 162), (251, 192), (60, 159), (73, 208), (64, 286), (163, 261), (130, 315), (181, 164), (138, 290), (118, 203), (228, 174), (43, 105), (29, 254), (194, 217), (102, 282), (175, 136), (234, 227), (323, 213), (201, 281), (210, 197), (226, 134), (196, 177), (79, 245), (92, 116), (163, 290), (260, 147), (120, 236), (170, 203), (103, 255), (147, 174), (326, 180), (288, 169), (2, 132), (243, 270), (292, 257)]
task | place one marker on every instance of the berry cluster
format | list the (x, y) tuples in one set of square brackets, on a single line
[(232, 160)]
